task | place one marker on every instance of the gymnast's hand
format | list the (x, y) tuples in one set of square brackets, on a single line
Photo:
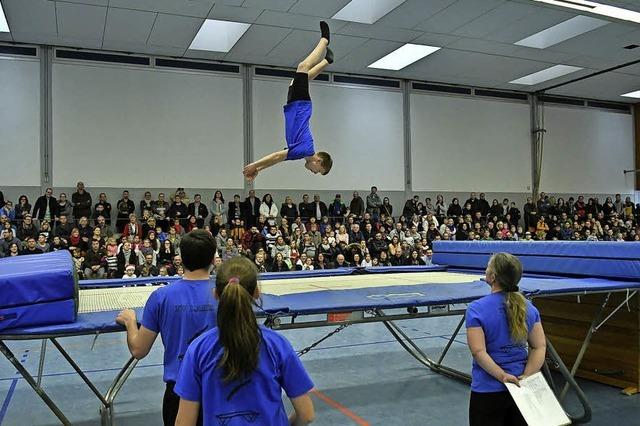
[(250, 172), (126, 316)]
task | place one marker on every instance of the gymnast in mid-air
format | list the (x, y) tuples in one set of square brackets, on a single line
[(297, 113)]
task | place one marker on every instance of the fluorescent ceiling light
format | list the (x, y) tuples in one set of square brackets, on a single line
[(635, 94), (546, 74), (4, 27), (366, 11), (596, 8), (218, 36), (403, 56), (563, 31)]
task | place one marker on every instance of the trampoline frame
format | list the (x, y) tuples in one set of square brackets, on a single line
[(290, 321)]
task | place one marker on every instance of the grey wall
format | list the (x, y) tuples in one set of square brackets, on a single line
[(443, 135)]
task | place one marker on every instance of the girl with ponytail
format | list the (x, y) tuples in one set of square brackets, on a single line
[(507, 342), (235, 373)]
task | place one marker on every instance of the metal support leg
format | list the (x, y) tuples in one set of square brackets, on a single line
[(546, 372), (106, 409), (83, 376), (43, 353), (450, 342), (413, 349), (34, 385), (586, 415), (586, 342), (106, 412)]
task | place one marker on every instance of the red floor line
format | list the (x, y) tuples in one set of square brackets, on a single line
[(344, 410)]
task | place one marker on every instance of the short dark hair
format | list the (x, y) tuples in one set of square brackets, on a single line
[(326, 163), (197, 249)]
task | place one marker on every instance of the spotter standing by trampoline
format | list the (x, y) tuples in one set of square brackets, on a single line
[(499, 326), (180, 312), (297, 113), (235, 373)]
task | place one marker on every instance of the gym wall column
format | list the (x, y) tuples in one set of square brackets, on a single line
[(46, 132), (537, 142), (247, 101), (636, 139), (406, 118)]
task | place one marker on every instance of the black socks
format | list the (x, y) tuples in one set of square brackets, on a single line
[(324, 29), (329, 56)]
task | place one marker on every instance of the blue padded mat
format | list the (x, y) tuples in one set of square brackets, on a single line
[(569, 266), (38, 314), (585, 249), (39, 278), (565, 258)]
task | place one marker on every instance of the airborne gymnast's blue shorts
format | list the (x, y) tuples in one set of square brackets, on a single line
[(297, 114)]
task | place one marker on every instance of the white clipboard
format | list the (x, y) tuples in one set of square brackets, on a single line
[(537, 402)]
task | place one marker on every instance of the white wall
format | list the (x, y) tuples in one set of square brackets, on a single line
[(586, 150), (466, 144), (19, 122), (116, 126), (131, 127), (360, 127)]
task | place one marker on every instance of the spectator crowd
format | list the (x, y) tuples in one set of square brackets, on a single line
[(130, 239)]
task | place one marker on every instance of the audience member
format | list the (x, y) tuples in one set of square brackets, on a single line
[(81, 202)]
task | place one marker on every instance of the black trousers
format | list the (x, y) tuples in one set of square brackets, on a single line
[(494, 409), (170, 404), (299, 89)]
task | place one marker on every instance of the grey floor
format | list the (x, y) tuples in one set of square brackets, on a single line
[(365, 378)]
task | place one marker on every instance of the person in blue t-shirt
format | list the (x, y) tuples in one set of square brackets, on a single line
[(499, 327), (180, 312), (297, 113), (235, 373)]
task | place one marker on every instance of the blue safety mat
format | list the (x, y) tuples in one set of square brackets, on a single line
[(583, 249), (389, 297), (533, 287), (105, 322), (307, 274), (565, 258), (26, 280), (264, 276), (62, 311), (409, 268), (608, 268), (91, 323), (129, 282)]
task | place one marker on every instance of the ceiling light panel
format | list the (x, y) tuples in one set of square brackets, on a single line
[(403, 56), (4, 27), (366, 11), (635, 94), (218, 36), (563, 31), (596, 8), (546, 74)]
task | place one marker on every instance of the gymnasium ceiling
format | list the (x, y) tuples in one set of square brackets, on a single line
[(476, 37)]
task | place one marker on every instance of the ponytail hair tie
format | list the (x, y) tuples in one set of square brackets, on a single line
[(513, 289), (234, 280)]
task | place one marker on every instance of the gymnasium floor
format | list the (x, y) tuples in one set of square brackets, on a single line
[(362, 375)]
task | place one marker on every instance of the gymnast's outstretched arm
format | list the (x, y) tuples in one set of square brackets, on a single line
[(251, 170)]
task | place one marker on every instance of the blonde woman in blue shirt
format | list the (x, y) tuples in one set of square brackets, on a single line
[(507, 342)]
